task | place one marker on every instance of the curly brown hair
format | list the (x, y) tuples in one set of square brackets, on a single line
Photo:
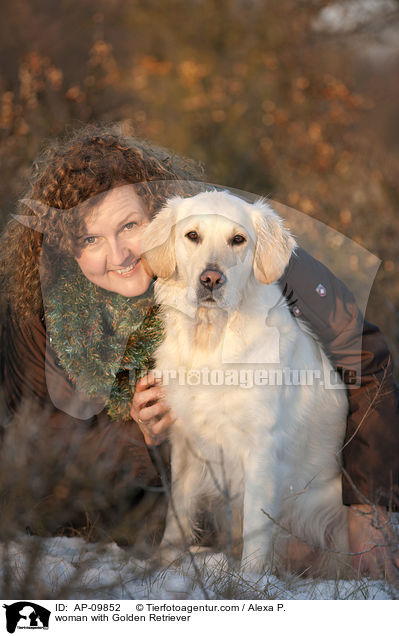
[(91, 160)]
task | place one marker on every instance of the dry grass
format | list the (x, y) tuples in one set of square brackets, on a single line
[(65, 534)]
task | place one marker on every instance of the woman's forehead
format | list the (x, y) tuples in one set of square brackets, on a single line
[(113, 206)]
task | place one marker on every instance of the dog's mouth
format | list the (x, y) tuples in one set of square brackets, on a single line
[(210, 297), (209, 301)]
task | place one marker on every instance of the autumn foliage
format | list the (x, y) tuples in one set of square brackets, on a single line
[(248, 88)]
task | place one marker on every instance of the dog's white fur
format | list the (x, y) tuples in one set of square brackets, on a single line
[(274, 449)]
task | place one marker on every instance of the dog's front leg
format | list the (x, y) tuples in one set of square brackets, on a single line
[(178, 529), (182, 505), (261, 495)]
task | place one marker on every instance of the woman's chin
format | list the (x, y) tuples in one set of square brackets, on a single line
[(131, 287)]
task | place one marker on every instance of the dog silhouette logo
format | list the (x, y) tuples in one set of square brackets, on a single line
[(26, 615)]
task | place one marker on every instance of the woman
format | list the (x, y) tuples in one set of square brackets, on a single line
[(94, 201), (64, 359)]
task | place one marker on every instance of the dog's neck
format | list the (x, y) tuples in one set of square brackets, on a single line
[(210, 324)]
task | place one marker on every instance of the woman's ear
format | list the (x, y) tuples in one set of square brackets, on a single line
[(157, 241), (274, 243)]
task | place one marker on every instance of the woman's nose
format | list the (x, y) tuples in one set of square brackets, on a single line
[(118, 251)]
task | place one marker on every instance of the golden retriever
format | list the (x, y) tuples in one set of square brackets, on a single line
[(258, 435)]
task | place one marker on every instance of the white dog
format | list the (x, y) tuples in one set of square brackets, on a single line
[(268, 449)]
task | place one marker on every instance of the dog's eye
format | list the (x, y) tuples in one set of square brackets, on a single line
[(238, 239), (193, 236)]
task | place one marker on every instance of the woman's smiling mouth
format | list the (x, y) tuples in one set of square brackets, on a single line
[(127, 271)]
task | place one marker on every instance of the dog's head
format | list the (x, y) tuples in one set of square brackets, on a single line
[(213, 243)]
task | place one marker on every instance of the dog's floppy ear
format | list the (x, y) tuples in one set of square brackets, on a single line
[(157, 241), (274, 243)]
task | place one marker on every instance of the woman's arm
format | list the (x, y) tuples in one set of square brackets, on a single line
[(358, 350), (82, 449), (371, 447)]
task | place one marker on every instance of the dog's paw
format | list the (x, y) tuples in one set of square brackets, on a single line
[(168, 554)]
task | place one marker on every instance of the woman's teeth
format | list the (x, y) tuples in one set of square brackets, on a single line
[(127, 269)]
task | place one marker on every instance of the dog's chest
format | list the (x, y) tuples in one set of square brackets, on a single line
[(216, 415), (208, 386)]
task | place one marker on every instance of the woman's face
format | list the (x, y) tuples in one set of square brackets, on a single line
[(108, 252)]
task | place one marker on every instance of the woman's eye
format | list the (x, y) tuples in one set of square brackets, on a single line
[(238, 239), (193, 236), (89, 240), (130, 226)]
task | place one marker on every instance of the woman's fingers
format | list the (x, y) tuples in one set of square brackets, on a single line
[(150, 411), (150, 394), (146, 381), (153, 410), (156, 431), (301, 557), (147, 390), (373, 542), (149, 438), (161, 427), (378, 562)]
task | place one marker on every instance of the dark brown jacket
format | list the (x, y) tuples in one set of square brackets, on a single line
[(371, 448), (101, 468)]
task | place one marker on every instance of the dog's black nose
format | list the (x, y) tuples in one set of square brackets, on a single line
[(212, 278)]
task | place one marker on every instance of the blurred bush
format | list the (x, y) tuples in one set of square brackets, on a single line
[(247, 87)]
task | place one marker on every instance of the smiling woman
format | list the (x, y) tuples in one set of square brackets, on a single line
[(79, 319), (108, 253)]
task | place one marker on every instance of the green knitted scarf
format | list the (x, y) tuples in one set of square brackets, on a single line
[(103, 340)]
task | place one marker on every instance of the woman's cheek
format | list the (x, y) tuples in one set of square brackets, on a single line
[(92, 265)]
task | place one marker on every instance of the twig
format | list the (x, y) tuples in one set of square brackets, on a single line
[(370, 406)]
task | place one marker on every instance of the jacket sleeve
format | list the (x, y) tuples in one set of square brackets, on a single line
[(118, 444), (357, 349)]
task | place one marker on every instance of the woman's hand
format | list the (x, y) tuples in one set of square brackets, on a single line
[(372, 540), (150, 411)]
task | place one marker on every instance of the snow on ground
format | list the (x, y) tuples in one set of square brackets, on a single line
[(71, 568)]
